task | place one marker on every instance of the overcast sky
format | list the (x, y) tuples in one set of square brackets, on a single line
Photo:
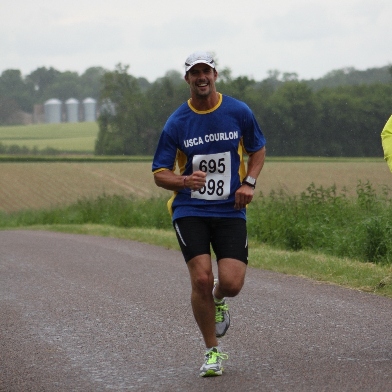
[(251, 37)]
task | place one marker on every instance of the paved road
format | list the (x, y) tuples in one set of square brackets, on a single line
[(83, 313)]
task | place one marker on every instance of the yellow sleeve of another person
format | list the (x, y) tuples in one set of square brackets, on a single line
[(386, 139)]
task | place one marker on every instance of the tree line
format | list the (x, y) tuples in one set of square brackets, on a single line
[(298, 120), (341, 114), (21, 93)]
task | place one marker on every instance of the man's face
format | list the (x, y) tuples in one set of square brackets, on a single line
[(201, 79)]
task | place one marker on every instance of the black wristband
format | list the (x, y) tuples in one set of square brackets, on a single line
[(247, 183)]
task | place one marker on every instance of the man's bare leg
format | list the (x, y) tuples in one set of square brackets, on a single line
[(203, 306), (231, 277)]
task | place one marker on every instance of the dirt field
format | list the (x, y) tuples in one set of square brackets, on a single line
[(42, 185)]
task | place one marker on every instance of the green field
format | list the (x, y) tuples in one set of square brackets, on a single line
[(64, 137)]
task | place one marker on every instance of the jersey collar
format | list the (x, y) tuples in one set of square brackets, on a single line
[(206, 111)]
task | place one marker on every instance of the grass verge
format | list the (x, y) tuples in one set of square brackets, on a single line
[(349, 273)]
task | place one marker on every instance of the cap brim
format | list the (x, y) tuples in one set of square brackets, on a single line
[(188, 67)]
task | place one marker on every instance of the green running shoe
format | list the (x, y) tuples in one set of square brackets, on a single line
[(222, 316), (212, 365)]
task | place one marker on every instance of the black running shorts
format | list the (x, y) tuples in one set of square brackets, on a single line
[(227, 236)]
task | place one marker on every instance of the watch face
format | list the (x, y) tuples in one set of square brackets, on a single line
[(250, 180)]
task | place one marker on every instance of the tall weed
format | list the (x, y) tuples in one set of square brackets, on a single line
[(110, 210), (323, 220), (319, 219)]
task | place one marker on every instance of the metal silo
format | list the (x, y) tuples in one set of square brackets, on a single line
[(72, 106), (90, 109), (52, 110)]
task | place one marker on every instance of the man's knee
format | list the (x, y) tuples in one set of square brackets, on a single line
[(201, 274), (231, 288), (231, 277), (202, 281)]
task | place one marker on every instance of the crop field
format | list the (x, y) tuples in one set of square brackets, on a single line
[(25, 185), (67, 137), (35, 185)]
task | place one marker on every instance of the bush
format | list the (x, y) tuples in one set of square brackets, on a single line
[(109, 210), (320, 219), (15, 149), (324, 221)]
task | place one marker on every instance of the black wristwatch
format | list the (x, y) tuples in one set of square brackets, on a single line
[(248, 180)]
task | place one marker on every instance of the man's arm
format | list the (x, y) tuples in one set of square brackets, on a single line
[(244, 194), (173, 182), (256, 163)]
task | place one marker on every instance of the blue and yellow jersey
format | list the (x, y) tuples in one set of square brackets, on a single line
[(386, 138), (215, 142)]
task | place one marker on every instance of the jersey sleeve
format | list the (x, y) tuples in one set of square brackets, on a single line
[(165, 154), (386, 138), (253, 137)]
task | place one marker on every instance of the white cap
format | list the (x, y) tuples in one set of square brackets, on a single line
[(197, 58)]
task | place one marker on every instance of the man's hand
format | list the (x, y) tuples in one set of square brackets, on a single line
[(243, 196), (196, 180)]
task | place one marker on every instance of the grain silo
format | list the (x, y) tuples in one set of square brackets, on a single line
[(52, 110), (72, 106), (90, 109)]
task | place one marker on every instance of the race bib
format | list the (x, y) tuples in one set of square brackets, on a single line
[(218, 169)]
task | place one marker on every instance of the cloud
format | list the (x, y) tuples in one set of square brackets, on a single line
[(309, 37), (58, 39), (188, 33), (302, 23)]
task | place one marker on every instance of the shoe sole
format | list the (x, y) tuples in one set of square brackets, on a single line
[(221, 335), (211, 373)]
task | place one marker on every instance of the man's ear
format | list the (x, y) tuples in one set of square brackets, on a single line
[(186, 78)]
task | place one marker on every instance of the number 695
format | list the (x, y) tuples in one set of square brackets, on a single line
[(212, 166)]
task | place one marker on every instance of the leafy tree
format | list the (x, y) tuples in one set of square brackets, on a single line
[(90, 82), (8, 110), (13, 87), (341, 114), (237, 87), (66, 85), (144, 84), (291, 117), (290, 77), (352, 118), (350, 76), (225, 76), (51, 83), (338, 122), (164, 96), (122, 128), (42, 78)]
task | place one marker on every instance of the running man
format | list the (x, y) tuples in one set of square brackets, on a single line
[(207, 137)]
